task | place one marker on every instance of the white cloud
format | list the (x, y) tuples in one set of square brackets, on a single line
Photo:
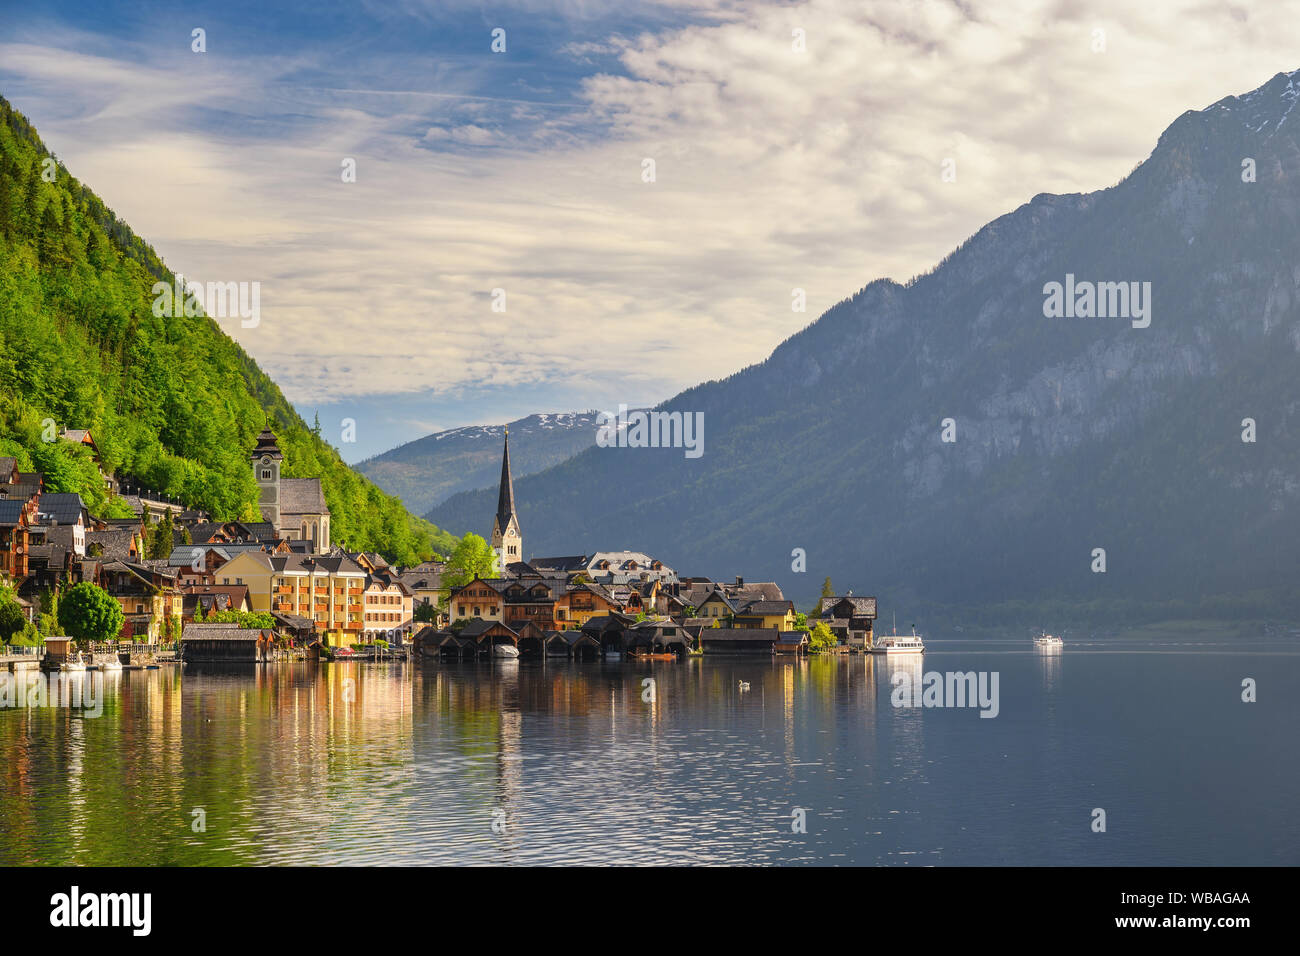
[(775, 169)]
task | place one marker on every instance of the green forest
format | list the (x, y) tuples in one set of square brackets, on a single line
[(173, 403)]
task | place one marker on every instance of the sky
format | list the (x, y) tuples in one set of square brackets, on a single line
[(810, 145)]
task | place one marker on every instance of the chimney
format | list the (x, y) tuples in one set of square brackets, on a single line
[(740, 582)]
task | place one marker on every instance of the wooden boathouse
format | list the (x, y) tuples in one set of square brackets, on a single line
[(226, 644)]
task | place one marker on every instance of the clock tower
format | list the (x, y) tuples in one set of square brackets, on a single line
[(266, 458)]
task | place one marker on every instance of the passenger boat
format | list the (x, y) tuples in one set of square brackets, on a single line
[(893, 644), (1047, 640)]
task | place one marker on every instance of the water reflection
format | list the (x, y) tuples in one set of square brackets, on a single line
[(532, 762)]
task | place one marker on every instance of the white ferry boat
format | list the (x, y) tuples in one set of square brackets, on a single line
[(899, 644), (1047, 640)]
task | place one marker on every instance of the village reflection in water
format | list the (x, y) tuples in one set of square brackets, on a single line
[(704, 760)]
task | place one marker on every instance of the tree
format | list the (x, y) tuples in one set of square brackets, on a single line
[(162, 537), (12, 620), (88, 614), (252, 619), (471, 558), (827, 591), (425, 614), (820, 637)]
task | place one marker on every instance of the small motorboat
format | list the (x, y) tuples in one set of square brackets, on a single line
[(1048, 640), (506, 652)]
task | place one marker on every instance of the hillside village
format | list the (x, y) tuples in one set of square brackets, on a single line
[(171, 568)]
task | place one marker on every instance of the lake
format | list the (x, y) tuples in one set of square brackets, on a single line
[(568, 763)]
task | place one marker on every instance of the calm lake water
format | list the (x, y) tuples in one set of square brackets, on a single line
[(414, 764)]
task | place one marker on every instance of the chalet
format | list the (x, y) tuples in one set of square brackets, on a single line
[(715, 605), (580, 602), (210, 598), (777, 615), (148, 596), (115, 544), (15, 539), (62, 520), (19, 485), (851, 619), (529, 601), (480, 598)]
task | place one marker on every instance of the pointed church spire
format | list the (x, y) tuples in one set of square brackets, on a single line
[(506, 497)]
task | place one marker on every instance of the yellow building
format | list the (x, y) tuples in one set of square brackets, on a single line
[(328, 590), (774, 615)]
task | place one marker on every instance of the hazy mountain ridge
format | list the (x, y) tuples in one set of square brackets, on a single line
[(426, 471), (1072, 433)]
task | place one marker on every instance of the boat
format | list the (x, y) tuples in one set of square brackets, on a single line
[(893, 644), (1047, 640), (111, 664), (74, 664), (505, 651)]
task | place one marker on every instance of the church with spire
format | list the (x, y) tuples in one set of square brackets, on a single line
[(507, 541)]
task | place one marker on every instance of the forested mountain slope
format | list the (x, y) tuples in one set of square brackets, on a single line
[(173, 402)]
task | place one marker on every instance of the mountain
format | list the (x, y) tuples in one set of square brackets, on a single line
[(1072, 434), (425, 472), (174, 403)]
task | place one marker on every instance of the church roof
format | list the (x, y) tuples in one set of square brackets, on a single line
[(302, 496), (266, 445), (506, 496)]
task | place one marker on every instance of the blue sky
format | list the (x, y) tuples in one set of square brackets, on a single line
[(796, 146)]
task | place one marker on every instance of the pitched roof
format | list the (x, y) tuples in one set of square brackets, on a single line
[(115, 543), (765, 607), (862, 606), (302, 496), (421, 580), (266, 445), (506, 493), (574, 562), (63, 507), (337, 563), (767, 634), (11, 512), (220, 632)]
